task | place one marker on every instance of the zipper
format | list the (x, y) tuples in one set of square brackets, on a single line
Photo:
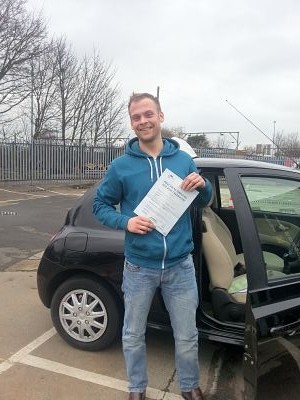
[(158, 174), (165, 253)]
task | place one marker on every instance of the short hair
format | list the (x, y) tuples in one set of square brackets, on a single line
[(135, 97)]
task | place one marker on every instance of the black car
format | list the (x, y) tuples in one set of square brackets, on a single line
[(247, 263)]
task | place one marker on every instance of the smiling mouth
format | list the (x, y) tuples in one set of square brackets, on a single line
[(145, 129)]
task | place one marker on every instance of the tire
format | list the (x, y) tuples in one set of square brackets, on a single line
[(86, 314)]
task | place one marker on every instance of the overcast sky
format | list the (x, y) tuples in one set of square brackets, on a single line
[(200, 53)]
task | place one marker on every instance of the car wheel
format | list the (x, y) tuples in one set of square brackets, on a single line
[(86, 314)]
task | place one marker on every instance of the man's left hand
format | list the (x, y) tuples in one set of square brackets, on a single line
[(193, 181)]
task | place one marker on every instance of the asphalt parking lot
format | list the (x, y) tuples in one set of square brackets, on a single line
[(35, 363)]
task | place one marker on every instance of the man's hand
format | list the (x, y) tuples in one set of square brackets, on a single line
[(139, 224), (193, 181)]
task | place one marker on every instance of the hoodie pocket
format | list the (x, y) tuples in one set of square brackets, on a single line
[(149, 246), (179, 241)]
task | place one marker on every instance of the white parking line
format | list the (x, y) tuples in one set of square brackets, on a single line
[(39, 196), (17, 357), (13, 202), (24, 357), (72, 372), (62, 194), (16, 201), (10, 202), (27, 194), (92, 377), (4, 366), (65, 194), (26, 350)]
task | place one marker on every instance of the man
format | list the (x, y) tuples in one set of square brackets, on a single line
[(151, 259)]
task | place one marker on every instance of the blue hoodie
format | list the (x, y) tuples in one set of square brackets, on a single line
[(126, 182)]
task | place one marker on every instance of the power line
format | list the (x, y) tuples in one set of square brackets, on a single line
[(261, 131), (252, 123)]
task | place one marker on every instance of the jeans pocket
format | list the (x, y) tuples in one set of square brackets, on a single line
[(187, 263), (131, 267)]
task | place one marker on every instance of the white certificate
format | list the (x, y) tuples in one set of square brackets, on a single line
[(165, 202)]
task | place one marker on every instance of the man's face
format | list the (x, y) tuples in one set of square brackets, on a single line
[(145, 120)]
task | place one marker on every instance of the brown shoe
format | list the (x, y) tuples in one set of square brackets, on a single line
[(194, 394), (137, 396)]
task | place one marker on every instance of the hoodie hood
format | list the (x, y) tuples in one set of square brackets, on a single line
[(170, 148)]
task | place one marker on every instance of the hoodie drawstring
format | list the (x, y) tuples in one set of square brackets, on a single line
[(160, 165), (151, 169), (158, 171)]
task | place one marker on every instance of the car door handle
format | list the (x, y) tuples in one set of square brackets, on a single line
[(288, 328)]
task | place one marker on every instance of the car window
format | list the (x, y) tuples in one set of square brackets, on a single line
[(226, 200), (275, 205)]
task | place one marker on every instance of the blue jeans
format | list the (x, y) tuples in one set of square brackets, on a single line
[(180, 294)]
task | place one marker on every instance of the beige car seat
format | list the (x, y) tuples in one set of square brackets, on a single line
[(228, 292)]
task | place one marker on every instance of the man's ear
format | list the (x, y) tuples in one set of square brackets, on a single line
[(161, 116)]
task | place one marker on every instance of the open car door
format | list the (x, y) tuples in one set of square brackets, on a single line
[(267, 206)]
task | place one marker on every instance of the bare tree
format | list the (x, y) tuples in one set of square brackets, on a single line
[(174, 131), (21, 36), (90, 109), (14, 130), (47, 83), (167, 132), (67, 80), (41, 108), (278, 142), (221, 141), (91, 78), (250, 150), (287, 145), (108, 116)]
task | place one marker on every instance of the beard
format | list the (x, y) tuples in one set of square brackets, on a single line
[(152, 136)]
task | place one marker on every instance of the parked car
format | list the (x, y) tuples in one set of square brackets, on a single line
[(247, 264)]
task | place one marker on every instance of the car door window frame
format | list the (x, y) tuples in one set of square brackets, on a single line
[(256, 271)]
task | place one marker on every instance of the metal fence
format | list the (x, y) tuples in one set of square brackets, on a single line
[(45, 162), (42, 161)]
